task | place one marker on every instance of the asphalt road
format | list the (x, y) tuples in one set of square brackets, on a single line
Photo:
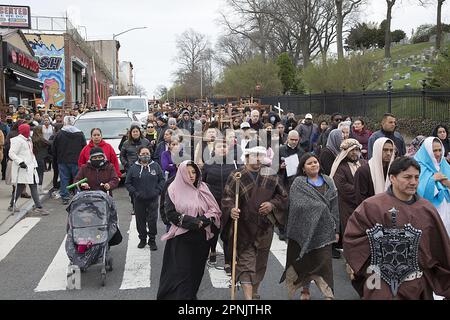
[(26, 270)]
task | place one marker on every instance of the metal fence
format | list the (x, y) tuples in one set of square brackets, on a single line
[(412, 104), (424, 104)]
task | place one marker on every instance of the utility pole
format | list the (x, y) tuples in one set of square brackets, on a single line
[(115, 55)]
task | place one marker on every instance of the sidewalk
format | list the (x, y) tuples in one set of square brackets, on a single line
[(9, 219)]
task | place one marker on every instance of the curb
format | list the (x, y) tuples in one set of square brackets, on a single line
[(14, 218)]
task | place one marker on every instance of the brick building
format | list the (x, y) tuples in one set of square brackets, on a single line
[(66, 63)]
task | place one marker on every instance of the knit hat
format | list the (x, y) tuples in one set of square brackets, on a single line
[(96, 151)]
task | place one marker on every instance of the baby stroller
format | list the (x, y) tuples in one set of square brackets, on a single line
[(92, 224)]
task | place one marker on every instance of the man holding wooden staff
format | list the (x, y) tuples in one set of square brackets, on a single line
[(262, 201)]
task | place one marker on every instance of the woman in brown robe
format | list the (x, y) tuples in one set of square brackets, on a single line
[(313, 225)]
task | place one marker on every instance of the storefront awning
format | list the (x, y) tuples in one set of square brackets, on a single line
[(21, 82)]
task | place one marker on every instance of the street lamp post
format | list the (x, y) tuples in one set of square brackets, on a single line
[(115, 54)]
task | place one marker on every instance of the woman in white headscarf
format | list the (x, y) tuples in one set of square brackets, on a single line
[(434, 174)]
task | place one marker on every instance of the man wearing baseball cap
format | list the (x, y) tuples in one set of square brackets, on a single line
[(263, 201), (309, 133)]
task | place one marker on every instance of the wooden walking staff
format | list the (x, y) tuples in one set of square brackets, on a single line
[(237, 176)]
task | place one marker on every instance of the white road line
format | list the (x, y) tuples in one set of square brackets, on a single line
[(55, 278), (436, 297), (9, 240), (279, 249), (137, 266), (219, 278)]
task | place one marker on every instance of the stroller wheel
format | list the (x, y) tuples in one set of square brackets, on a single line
[(109, 264)]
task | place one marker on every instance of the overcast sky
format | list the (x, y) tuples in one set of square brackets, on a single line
[(152, 50)]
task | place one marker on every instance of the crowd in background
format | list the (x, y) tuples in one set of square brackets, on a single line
[(351, 160)]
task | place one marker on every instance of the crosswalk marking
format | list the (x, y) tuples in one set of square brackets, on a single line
[(55, 278), (9, 240), (279, 249), (137, 271), (137, 266), (219, 278)]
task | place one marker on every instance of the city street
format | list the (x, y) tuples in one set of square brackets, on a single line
[(33, 264)]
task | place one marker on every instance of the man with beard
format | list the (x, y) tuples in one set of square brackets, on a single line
[(262, 201), (343, 172), (371, 178)]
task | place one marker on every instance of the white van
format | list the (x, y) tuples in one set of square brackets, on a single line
[(136, 104)]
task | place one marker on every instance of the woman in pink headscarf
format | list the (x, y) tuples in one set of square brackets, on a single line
[(191, 209)]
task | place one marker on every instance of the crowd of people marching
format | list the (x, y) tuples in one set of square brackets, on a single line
[(322, 187)]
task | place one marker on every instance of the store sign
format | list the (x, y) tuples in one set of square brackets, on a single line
[(15, 17), (19, 60)]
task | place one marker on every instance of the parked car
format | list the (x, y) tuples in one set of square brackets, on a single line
[(114, 125), (136, 104)]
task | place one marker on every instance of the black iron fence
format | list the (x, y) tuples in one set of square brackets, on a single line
[(425, 103), (414, 104)]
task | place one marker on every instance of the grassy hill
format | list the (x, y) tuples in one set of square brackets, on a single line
[(403, 53)]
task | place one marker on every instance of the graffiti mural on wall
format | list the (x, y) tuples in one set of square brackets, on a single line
[(49, 50)]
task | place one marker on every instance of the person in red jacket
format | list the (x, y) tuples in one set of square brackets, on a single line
[(108, 150)]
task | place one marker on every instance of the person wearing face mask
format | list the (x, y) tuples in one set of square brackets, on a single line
[(128, 153), (24, 168), (145, 182), (100, 173)]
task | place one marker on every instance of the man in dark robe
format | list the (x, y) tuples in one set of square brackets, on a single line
[(371, 178), (401, 236), (262, 201)]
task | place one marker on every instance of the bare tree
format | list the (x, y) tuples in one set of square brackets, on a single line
[(387, 36), (161, 91), (324, 27), (195, 59), (139, 90), (233, 49), (254, 22), (438, 19), (303, 16), (191, 47), (343, 9)]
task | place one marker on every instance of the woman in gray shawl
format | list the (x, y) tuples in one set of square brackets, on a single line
[(330, 152), (312, 227)]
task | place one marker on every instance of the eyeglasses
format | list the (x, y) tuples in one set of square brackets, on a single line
[(338, 120), (150, 127)]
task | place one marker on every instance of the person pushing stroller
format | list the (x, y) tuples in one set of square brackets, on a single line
[(93, 223), (99, 171)]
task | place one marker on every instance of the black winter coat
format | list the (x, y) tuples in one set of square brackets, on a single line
[(128, 153), (145, 183)]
